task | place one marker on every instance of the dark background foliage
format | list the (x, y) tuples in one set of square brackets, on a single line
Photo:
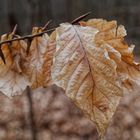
[(29, 13)]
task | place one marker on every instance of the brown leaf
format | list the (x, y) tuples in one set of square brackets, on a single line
[(39, 60), (86, 73), (12, 80), (111, 37), (22, 69)]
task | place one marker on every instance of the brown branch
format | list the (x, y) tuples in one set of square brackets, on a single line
[(26, 37), (30, 37), (40, 34), (80, 18)]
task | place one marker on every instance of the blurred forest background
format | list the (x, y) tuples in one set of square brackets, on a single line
[(48, 114), (29, 13)]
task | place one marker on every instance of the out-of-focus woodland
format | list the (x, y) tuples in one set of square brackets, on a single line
[(47, 114)]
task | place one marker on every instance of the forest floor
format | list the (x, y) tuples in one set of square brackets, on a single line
[(54, 117)]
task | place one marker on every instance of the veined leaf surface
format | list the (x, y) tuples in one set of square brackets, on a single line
[(86, 73)]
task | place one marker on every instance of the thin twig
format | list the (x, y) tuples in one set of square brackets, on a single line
[(30, 37), (80, 18), (40, 34), (26, 37), (46, 25)]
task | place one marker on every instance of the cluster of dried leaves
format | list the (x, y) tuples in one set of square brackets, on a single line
[(90, 61)]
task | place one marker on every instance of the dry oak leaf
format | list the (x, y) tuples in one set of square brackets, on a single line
[(86, 73), (12, 80), (111, 37), (39, 59)]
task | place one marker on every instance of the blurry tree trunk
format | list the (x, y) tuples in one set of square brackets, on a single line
[(31, 114)]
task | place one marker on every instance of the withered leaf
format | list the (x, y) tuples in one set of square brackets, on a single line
[(86, 73), (111, 38), (22, 69), (12, 80), (92, 63), (39, 60)]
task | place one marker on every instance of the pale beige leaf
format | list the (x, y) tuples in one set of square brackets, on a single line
[(111, 37), (39, 60), (22, 69), (86, 73), (12, 80)]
